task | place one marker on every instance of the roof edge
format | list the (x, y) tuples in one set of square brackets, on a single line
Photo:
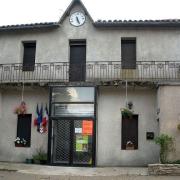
[(48, 25), (170, 23)]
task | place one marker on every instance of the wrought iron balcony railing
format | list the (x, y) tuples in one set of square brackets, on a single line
[(91, 72)]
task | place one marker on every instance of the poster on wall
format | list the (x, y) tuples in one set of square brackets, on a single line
[(87, 127), (81, 143)]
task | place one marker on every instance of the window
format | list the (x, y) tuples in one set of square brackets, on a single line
[(128, 53), (24, 130), (129, 133), (29, 56), (73, 101)]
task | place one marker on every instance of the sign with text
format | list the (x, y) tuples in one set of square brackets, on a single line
[(78, 130), (87, 127)]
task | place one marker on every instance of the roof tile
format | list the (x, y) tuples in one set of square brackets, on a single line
[(30, 26)]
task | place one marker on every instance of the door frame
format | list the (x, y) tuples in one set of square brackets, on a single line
[(50, 132)]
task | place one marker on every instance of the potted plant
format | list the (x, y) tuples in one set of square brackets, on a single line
[(20, 142), (40, 157), (29, 161), (21, 109), (127, 113)]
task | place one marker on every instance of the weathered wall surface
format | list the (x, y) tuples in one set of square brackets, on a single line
[(102, 44), (110, 101), (8, 128), (169, 116)]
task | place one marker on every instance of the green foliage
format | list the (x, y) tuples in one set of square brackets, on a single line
[(174, 162), (166, 145), (126, 113), (40, 155), (178, 126)]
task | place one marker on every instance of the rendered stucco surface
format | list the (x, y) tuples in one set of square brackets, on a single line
[(169, 116), (8, 128), (110, 101), (102, 44)]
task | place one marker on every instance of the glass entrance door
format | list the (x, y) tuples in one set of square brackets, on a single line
[(73, 142), (72, 126), (83, 142)]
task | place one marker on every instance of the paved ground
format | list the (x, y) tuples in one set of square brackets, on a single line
[(11, 171)]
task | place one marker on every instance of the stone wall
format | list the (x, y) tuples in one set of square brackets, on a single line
[(164, 169)]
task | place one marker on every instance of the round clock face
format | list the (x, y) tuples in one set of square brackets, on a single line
[(77, 19)]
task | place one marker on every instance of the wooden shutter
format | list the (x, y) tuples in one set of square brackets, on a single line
[(77, 61), (24, 128), (129, 131), (29, 56), (128, 53)]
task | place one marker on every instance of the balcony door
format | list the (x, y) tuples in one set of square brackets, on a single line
[(77, 67)]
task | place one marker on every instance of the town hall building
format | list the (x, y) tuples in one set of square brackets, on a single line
[(89, 93)]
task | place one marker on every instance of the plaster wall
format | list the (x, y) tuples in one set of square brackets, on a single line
[(110, 101), (169, 116), (102, 44), (11, 97)]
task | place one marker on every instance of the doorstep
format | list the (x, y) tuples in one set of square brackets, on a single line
[(72, 171)]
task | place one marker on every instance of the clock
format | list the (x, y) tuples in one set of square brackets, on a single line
[(77, 19)]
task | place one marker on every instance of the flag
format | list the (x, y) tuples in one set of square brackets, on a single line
[(45, 120), (36, 116), (45, 117), (40, 117)]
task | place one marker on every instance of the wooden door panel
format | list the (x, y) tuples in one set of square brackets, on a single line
[(77, 62)]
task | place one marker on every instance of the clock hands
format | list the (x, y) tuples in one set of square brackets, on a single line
[(77, 20)]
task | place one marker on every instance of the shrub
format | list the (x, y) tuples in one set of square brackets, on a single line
[(40, 155), (166, 145)]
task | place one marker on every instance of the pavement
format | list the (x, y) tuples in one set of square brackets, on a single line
[(20, 171)]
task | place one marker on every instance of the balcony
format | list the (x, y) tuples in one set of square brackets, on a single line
[(101, 71)]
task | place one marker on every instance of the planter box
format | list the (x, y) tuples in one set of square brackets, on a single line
[(130, 148), (19, 145), (164, 169)]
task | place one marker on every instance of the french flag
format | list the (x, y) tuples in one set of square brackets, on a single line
[(36, 116)]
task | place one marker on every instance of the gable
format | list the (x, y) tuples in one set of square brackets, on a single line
[(73, 4)]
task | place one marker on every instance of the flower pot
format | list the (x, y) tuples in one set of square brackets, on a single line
[(29, 161), (129, 148), (43, 161), (19, 145)]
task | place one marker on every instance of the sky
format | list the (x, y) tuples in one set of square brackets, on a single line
[(34, 11)]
